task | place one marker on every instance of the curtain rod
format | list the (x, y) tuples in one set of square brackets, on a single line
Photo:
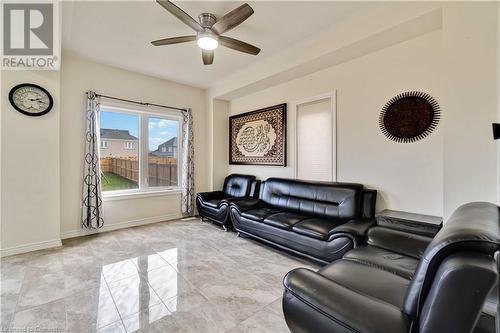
[(140, 103)]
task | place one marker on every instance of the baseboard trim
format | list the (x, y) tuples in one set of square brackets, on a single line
[(120, 225), (10, 251)]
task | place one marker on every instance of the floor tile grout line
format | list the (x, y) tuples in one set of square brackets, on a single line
[(253, 314), (139, 275), (17, 300), (116, 308), (195, 288), (44, 304), (135, 233), (31, 306)]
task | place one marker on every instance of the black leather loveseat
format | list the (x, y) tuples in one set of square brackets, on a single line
[(402, 281), (214, 206), (321, 221)]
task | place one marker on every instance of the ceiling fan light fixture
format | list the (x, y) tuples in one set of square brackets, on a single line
[(207, 42), (209, 30)]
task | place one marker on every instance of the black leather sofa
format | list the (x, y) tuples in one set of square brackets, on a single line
[(321, 221), (214, 206), (401, 281)]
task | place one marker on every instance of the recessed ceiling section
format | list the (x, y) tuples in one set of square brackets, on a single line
[(120, 34)]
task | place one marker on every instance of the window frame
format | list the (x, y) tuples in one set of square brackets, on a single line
[(145, 113), (105, 146)]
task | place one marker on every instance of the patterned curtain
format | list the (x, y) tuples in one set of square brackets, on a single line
[(187, 164), (92, 200)]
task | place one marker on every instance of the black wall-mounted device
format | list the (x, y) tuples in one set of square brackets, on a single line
[(496, 131)]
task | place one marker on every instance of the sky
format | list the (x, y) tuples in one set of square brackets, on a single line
[(160, 130)]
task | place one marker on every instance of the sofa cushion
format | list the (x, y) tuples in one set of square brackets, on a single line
[(313, 303), (368, 280), (395, 263), (259, 214), (284, 220), (315, 227)]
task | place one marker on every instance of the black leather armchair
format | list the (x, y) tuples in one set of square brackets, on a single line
[(401, 281), (214, 206)]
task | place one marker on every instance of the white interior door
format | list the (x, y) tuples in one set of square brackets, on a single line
[(315, 140)]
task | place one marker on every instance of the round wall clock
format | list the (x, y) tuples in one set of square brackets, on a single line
[(409, 117), (30, 99)]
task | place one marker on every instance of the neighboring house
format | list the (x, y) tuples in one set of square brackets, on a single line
[(166, 149), (118, 143)]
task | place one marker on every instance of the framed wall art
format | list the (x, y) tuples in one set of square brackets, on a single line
[(258, 137), (409, 117)]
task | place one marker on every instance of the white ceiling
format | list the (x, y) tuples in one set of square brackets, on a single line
[(119, 34)]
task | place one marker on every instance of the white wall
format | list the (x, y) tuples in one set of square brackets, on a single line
[(372, 28), (29, 168), (457, 63), (407, 176), (498, 100), (217, 137), (79, 75), (221, 128), (42, 158), (470, 86)]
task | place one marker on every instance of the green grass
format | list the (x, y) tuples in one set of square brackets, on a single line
[(113, 182)]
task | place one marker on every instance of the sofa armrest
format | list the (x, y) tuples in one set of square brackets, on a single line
[(205, 196), (308, 292), (356, 227), (247, 204)]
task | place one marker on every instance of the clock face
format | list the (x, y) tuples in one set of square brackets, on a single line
[(30, 99)]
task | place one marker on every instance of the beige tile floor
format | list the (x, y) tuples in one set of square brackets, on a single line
[(178, 276)]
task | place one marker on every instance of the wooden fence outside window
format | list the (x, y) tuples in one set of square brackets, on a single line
[(162, 171)]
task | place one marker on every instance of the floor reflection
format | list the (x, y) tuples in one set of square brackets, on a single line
[(169, 277), (139, 288)]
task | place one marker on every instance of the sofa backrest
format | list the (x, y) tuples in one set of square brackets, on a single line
[(369, 202), (236, 185), (402, 242), (473, 227), (319, 199)]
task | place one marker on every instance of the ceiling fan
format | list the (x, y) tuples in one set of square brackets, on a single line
[(209, 30)]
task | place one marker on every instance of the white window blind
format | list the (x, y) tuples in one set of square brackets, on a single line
[(314, 141)]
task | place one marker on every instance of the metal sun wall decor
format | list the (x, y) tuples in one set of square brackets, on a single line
[(409, 117), (258, 137)]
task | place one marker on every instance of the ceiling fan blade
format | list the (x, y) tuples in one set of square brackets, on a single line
[(208, 57), (238, 45), (180, 14), (173, 40), (232, 19)]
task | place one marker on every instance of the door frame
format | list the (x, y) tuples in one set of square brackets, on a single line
[(332, 96)]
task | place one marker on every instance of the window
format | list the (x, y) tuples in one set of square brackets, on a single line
[(169, 149), (134, 161), (315, 139), (162, 165), (129, 145)]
